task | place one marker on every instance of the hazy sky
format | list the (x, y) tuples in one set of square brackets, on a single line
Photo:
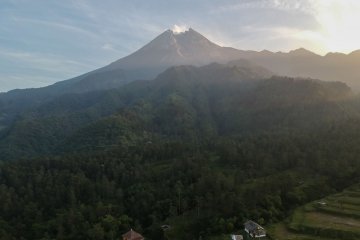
[(44, 41)]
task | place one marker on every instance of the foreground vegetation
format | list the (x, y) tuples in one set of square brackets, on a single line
[(199, 149), (206, 190), (334, 217)]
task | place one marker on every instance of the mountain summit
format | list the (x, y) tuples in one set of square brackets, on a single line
[(171, 49)]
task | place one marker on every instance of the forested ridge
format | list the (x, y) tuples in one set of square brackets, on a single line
[(182, 102), (199, 149)]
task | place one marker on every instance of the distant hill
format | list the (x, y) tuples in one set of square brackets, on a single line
[(303, 63)]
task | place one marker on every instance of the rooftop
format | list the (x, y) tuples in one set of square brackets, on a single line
[(132, 235), (251, 226)]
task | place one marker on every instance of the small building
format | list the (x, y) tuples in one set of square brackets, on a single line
[(165, 227), (254, 229), (132, 235), (236, 237), (321, 203)]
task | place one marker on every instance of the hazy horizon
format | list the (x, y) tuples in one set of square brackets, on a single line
[(46, 42)]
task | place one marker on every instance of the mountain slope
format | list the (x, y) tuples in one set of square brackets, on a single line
[(183, 102), (170, 49), (188, 48)]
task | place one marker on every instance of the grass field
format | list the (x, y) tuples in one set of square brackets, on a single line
[(280, 231), (334, 217)]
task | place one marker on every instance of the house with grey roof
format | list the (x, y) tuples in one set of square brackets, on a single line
[(254, 229)]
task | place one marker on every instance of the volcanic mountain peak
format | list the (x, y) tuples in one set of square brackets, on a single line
[(182, 41), (172, 49)]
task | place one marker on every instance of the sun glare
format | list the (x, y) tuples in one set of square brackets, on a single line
[(340, 24)]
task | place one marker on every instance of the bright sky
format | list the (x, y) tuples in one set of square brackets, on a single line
[(44, 41)]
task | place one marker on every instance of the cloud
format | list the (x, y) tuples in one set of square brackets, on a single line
[(16, 80), (107, 46), (52, 62), (285, 5), (52, 24), (28, 69), (110, 47), (179, 28)]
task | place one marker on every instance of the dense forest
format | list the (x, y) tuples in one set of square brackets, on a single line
[(200, 190), (188, 150)]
